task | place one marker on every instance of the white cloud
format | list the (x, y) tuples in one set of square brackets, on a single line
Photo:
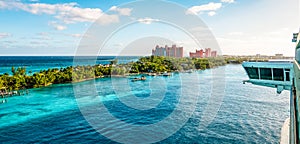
[(147, 20), (121, 11), (108, 19), (211, 13), (57, 26), (4, 35), (66, 12), (227, 1), (60, 27), (212, 7)]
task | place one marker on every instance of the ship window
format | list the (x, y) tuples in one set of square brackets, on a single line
[(265, 73), (278, 74), (252, 72), (287, 76)]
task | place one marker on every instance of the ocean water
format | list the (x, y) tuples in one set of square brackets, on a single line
[(37, 63), (111, 110)]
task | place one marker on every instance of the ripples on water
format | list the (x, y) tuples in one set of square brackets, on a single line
[(248, 113)]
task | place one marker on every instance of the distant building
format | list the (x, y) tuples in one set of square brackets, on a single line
[(168, 51), (159, 51), (197, 54), (207, 52), (213, 54), (202, 54), (278, 56)]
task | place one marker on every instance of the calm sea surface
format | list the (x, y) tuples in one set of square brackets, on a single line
[(239, 113), (37, 63)]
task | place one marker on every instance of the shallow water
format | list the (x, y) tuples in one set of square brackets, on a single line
[(244, 113)]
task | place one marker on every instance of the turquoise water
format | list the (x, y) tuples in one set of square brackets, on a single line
[(246, 114)]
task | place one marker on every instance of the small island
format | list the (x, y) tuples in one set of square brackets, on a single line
[(20, 80)]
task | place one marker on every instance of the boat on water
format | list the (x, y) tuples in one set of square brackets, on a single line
[(152, 74), (3, 101), (166, 74), (189, 71), (143, 78), (282, 75)]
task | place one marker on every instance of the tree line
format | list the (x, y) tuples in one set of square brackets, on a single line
[(20, 79)]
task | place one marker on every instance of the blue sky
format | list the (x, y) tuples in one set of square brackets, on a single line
[(52, 27)]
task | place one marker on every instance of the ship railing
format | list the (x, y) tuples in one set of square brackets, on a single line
[(295, 103), (294, 129), (271, 74)]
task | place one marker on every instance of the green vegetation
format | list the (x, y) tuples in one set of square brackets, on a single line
[(156, 64), (239, 59), (152, 64)]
